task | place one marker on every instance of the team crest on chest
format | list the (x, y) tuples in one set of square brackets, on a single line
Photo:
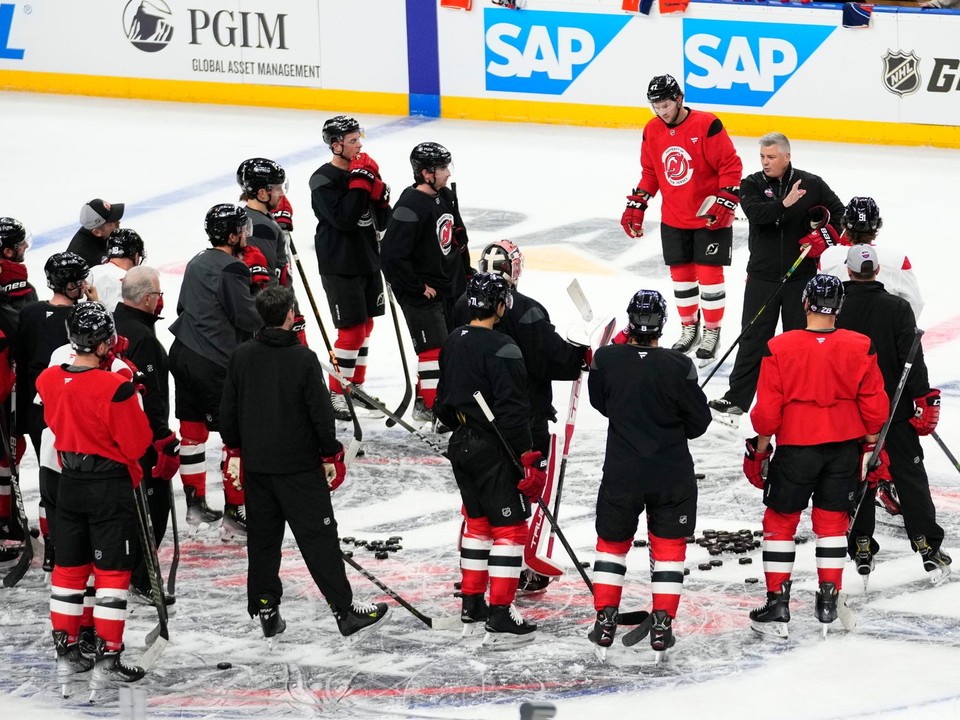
[(677, 165), (445, 232)]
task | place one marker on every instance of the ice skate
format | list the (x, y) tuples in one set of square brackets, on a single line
[(474, 612), (425, 416), (532, 583), (109, 670), (360, 404), (88, 640), (826, 605), (935, 562), (689, 338), (709, 345), (70, 661), (603, 632), (661, 634), (8, 554), (863, 559), (270, 622), (198, 512), (773, 617), (355, 621), (506, 628), (340, 409), (145, 598), (234, 526), (887, 498), (726, 412)]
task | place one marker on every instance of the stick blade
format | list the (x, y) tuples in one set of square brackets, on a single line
[(580, 300), (447, 623)]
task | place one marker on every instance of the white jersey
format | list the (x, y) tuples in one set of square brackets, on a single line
[(106, 279), (896, 272)]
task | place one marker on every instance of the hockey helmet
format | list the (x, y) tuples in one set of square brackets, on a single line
[(428, 156), (260, 174), (125, 243), (12, 233), (862, 215), (224, 220), (502, 257), (646, 314), (63, 269), (663, 87), (486, 290), (88, 325), (336, 128), (824, 293)]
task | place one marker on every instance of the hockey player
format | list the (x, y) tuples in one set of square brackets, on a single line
[(351, 203), (96, 513), (787, 208), (654, 405), (688, 156), (98, 219), (215, 313), (476, 359), (889, 322), (277, 412), (264, 184), (426, 261), (124, 251), (821, 394)]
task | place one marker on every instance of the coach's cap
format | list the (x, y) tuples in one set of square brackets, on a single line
[(862, 259), (97, 212)]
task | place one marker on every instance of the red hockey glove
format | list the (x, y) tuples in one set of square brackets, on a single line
[(334, 470), (534, 474), (283, 275), (283, 215), (819, 240), (621, 338), (927, 415), (756, 464), (168, 457), (300, 328), (632, 218), (720, 209), (818, 215), (231, 467), (877, 473), (587, 358), (257, 262), (363, 172), (13, 279)]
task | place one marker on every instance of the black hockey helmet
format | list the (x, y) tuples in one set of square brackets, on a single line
[(663, 87), (646, 314), (862, 215), (486, 290), (824, 293), (224, 220), (502, 257), (125, 243), (64, 269), (88, 325), (259, 174), (12, 233), (428, 156), (336, 128)]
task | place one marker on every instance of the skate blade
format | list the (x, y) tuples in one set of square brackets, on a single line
[(505, 641), (939, 575), (728, 419), (706, 362), (472, 629), (659, 657), (362, 635), (848, 618), (600, 653), (771, 629), (231, 537)]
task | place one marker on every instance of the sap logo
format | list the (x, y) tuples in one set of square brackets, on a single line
[(744, 63), (543, 52), (6, 25)]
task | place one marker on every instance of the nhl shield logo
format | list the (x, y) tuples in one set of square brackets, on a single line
[(901, 72)]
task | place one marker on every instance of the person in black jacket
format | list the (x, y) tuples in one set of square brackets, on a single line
[(98, 220), (654, 404), (352, 204), (783, 205), (889, 322), (276, 411)]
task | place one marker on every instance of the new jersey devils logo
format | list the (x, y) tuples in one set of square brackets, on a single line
[(677, 166), (445, 232)]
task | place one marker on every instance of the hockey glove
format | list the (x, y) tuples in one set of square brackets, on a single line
[(334, 469), (720, 209), (534, 474), (756, 464), (877, 473), (283, 215), (818, 215), (232, 468), (13, 279), (364, 173), (819, 240), (257, 262), (621, 338), (283, 275), (300, 328), (927, 415), (632, 218), (168, 457)]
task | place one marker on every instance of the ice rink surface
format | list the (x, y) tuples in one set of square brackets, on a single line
[(558, 192)]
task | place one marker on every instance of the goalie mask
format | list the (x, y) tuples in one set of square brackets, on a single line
[(504, 258)]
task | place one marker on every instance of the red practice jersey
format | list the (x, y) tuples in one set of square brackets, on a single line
[(687, 162), (819, 387), (95, 412)]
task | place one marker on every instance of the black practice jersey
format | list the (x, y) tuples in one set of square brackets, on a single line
[(42, 330), (268, 238)]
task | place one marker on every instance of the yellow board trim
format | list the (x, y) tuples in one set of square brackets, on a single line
[(299, 98)]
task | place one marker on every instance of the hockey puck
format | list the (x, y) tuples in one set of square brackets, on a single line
[(35, 533), (686, 571), (639, 543), (758, 533), (585, 565), (716, 562), (714, 550), (393, 548), (745, 560), (752, 581), (705, 566), (381, 555), (394, 539), (699, 476), (709, 533), (457, 585), (348, 553), (800, 539), (224, 665), (691, 539), (347, 540)]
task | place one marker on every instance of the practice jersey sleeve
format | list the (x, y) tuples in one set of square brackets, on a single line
[(233, 294), (511, 408), (396, 250), (229, 410), (317, 398), (341, 209), (649, 181), (128, 423), (722, 155)]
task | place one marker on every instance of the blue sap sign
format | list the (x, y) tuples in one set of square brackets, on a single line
[(543, 52), (6, 22), (744, 63)]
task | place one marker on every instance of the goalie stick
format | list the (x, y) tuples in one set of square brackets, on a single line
[(9, 438)]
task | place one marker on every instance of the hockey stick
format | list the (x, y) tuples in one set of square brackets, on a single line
[(9, 437), (383, 408), (628, 618), (946, 450), (875, 457), (357, 430), (774, 294), (445, 623), (158, 638), (175, 562), (531, 551), (408, 389)]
